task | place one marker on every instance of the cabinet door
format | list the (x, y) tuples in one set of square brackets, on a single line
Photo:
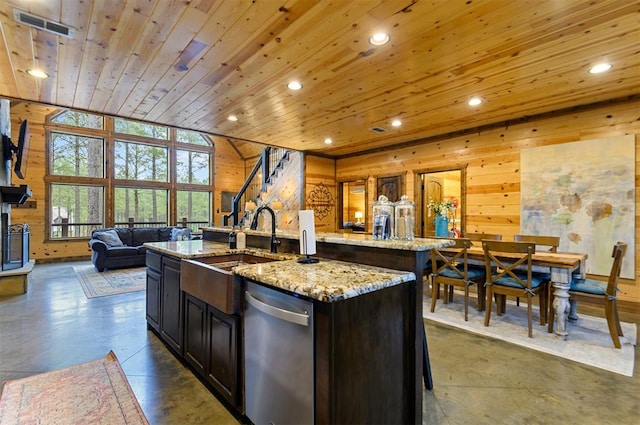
[(171, 311), (153, 299), (195, 333), (223, 351)]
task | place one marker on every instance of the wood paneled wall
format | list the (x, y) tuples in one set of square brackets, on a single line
[(492, 158), (320, 190)]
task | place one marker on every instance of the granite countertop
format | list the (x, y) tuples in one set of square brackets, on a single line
[(327, 280), (200, 249), (359, 239)]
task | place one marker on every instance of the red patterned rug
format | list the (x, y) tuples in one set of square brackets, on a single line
[(87, 393)]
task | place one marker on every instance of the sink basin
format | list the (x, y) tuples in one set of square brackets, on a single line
[(212, 281)]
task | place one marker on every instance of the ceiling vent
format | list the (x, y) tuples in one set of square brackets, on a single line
[(42, 23), (378, 129)]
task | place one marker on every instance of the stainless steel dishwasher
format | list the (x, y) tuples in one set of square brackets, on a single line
[(278, 357)]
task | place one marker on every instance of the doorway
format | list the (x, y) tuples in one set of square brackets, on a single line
[(438, 186)]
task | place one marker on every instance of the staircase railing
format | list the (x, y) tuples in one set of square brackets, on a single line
[(262, 174)]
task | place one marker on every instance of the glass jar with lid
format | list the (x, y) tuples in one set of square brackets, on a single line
[(404, 218), (383, 218)]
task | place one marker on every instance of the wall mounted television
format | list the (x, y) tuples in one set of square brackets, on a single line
[(21, 150)]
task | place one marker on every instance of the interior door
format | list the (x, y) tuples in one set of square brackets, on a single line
[(432, 189)]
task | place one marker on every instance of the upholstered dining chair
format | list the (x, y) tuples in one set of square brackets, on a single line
[(509, 273), (601, 293), (450, 268)]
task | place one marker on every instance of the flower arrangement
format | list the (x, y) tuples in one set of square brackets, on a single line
[(443, 207)]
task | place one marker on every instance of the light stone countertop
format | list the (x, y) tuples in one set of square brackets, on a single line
[(195, 249), (357, 239), (327, 280)]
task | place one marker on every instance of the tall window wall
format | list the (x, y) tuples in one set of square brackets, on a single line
[(105, 172)]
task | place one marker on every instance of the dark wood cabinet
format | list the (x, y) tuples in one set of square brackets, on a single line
[(211, 346), (164, 298), (195, 334), (153, 298), (223, 354), (171, 304)]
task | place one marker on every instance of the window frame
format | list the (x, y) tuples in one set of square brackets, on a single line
[(110, 183)]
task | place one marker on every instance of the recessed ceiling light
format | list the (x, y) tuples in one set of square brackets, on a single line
[(396, 123), (379, 39), (37, 73), (474, 101), (601, 67), (328, 141), (232, 118), (294, 85)]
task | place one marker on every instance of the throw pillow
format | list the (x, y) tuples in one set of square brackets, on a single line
[(178, 234), (110, 237)]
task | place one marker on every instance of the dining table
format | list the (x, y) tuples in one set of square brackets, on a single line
[(562, 267)]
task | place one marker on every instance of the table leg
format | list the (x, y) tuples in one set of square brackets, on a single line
[(561, 307)]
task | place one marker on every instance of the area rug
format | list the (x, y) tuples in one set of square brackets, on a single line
[(88, 393), (588, 342), (110, 282)]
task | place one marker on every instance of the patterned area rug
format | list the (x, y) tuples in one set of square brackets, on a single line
[(588, 342), (87, 393), (110, 282)]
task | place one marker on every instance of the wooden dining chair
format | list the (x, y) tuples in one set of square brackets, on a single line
[(509, 273), (450, 268), (550, 243), (598, 292), (476, 238)]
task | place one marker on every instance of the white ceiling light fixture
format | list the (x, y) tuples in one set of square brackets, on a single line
[(37, 73), (600, 68), (396, 123), (474, 101), (232, 118), (379, 39), (294, 85), (328, 141)]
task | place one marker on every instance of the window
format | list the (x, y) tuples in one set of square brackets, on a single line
[(75, 210), (140, 129), (194, 206), (136, 189), (192, 138), (192, 167), (137, 161), (73, 155), (148, 207), (79, 119)]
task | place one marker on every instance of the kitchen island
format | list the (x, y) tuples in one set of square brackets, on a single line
[(368, 333)]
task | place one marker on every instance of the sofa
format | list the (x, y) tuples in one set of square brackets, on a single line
[(115, 247)]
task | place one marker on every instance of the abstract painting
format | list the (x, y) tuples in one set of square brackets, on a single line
[(583, 192)]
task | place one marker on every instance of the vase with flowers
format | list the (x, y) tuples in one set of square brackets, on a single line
[(441, 210)]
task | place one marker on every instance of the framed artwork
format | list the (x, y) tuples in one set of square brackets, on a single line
[(587, 199), (390, 186)]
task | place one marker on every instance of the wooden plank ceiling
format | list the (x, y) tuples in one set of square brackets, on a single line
[(191, 64)]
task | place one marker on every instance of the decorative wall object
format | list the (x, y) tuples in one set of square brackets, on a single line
[(320, 200), (390, 186), (582, 192)]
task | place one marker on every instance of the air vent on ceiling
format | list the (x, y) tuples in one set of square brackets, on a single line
[(378, 129), (42, 23)]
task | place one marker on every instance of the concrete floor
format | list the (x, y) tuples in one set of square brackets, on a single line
[(476, 380)]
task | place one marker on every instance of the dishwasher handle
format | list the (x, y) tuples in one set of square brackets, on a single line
[(282, 314)]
